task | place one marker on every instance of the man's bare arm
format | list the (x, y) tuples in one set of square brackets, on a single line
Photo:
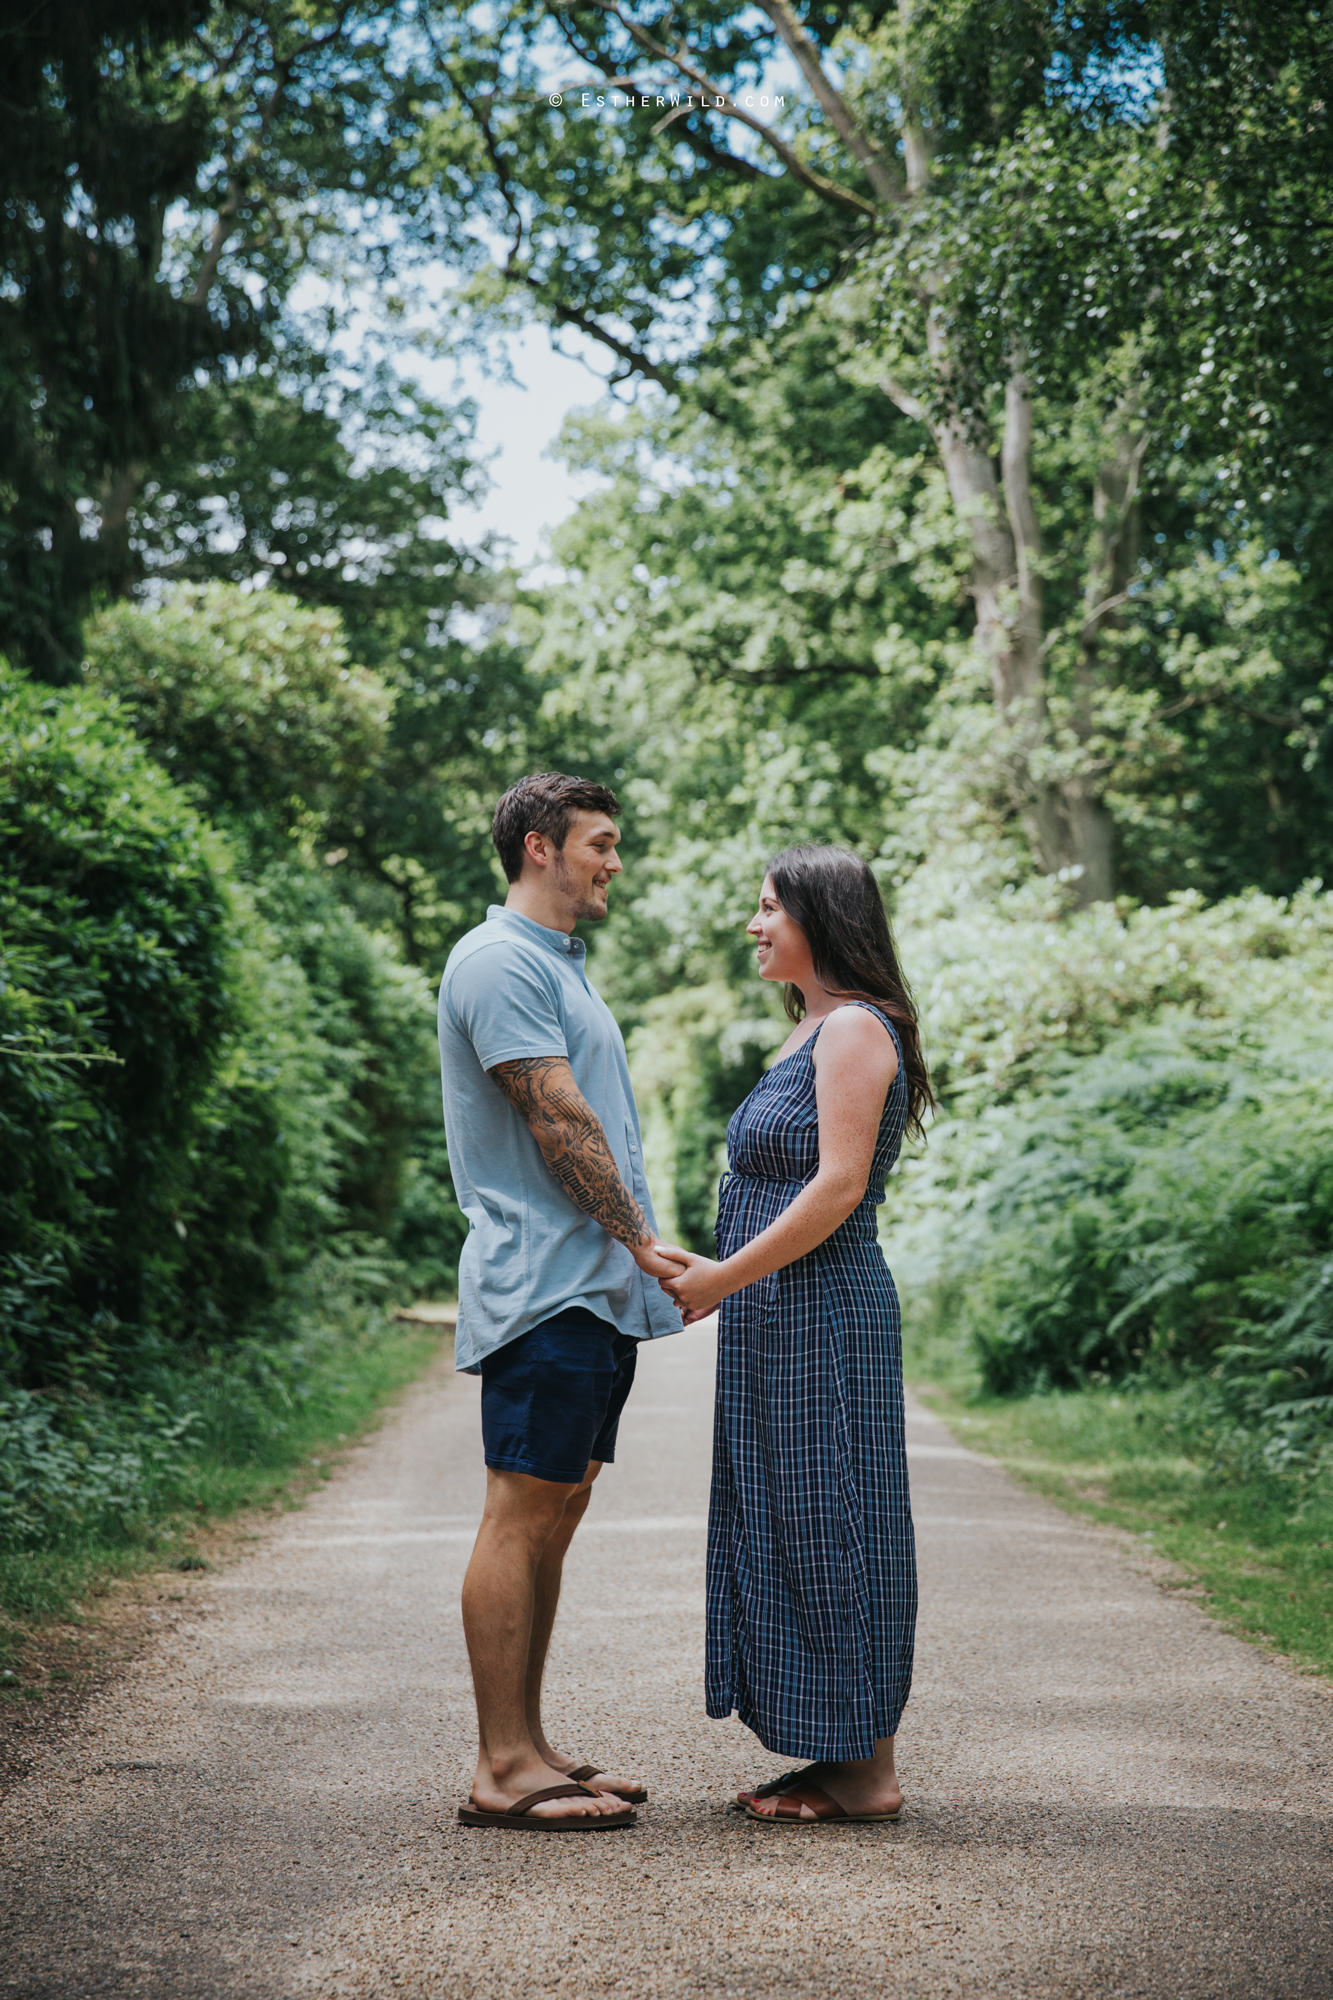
[(573, 1143)]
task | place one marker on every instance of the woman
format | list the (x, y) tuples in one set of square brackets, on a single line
[(811, 1558)]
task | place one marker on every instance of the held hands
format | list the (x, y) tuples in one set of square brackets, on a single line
[(690, 1282), (697, 1288), (658, 1260)]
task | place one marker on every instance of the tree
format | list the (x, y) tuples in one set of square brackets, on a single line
[(338, 493), (1020, 223), (169, 170), (251, 700), (98, 142)]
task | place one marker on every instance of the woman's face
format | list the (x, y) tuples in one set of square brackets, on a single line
[(781, 946)]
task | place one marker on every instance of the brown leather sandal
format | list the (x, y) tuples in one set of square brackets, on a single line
[(635, 1796), (787, 1810), (519, 1816), (743, 1799)]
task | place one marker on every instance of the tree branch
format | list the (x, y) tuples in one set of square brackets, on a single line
[(1223, 698), (1089, 624), (910, 405), (637, 363), (615, 79), (1092, 620), (1016, 475), (878, 171), (237, 183), (480, 110), (783, 676), (830, 191), (1115, 494)]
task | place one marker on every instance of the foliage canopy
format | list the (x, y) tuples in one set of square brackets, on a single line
[(960, 495)]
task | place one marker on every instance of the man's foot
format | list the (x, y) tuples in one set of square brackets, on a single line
[(499, 1794), (861, 1787), (610, 1783)]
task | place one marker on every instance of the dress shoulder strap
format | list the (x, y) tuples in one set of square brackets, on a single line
[(878, 1013)]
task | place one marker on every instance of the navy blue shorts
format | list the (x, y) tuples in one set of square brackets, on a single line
[(551, 1400)]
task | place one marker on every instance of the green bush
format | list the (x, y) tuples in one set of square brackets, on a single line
[(1164, 1207), (430, 1228), (374, 1018), (1130, 1173), (115, 1002), (250, 699), (1275, 1376), (1011, 983), (694, 1055), (243, 1403), (96, 1485), (203, 1081), (97, 1466)]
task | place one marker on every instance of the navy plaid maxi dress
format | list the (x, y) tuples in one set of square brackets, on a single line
[(811, 1554)]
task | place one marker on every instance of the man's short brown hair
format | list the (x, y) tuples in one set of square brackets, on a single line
[(544, 804)]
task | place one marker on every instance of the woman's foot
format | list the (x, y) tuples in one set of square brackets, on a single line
[(775, 1785), (863, 1785)]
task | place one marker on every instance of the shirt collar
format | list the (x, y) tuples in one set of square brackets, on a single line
[(561, 942)]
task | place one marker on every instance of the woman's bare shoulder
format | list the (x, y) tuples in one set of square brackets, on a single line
[(852, 1034)]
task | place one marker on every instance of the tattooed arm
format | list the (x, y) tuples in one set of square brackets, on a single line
[(575, 1147)]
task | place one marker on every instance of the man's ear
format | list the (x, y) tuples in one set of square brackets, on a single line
[(537, 848)]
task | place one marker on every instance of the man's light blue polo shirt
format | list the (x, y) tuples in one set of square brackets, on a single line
[(513, 988)]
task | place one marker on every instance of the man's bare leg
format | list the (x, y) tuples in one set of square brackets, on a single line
[(499, 1603), (545, 1601)]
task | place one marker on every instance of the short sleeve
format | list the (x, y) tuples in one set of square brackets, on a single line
[(505, 1007)]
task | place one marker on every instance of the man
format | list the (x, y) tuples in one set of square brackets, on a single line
[(558, 1278)]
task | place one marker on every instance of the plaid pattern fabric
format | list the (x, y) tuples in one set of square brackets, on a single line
[(811, 1554)]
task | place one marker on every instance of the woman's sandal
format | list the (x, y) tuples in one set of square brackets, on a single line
[(520, 1815), (635, 1796), (787, 1811), (743, 1800)]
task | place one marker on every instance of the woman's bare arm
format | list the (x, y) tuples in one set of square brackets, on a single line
[(855, 1063)]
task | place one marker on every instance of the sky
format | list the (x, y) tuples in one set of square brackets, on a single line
[(530, 493)]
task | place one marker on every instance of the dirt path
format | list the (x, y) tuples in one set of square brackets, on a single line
[(1106, 1795)]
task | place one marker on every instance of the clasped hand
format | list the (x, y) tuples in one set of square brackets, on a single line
[(691, 1282), (696, 1287)]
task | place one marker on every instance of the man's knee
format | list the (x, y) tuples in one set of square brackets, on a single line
[(518, 1504), (577, 1504), (584, 1487), (536, 1509)]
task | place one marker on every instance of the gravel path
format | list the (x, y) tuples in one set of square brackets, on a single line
[(1105, 1794)]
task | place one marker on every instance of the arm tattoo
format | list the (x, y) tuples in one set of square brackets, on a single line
[(574, 1145)]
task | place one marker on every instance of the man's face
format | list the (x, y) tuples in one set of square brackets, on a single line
[(585, 864)]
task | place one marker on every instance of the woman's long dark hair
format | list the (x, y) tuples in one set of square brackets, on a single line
[(835, 899)]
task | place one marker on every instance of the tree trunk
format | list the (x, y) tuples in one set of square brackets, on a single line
[(1069, 827), (114, 562), (1004, 624), (1111, 563), (1091, 836)]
